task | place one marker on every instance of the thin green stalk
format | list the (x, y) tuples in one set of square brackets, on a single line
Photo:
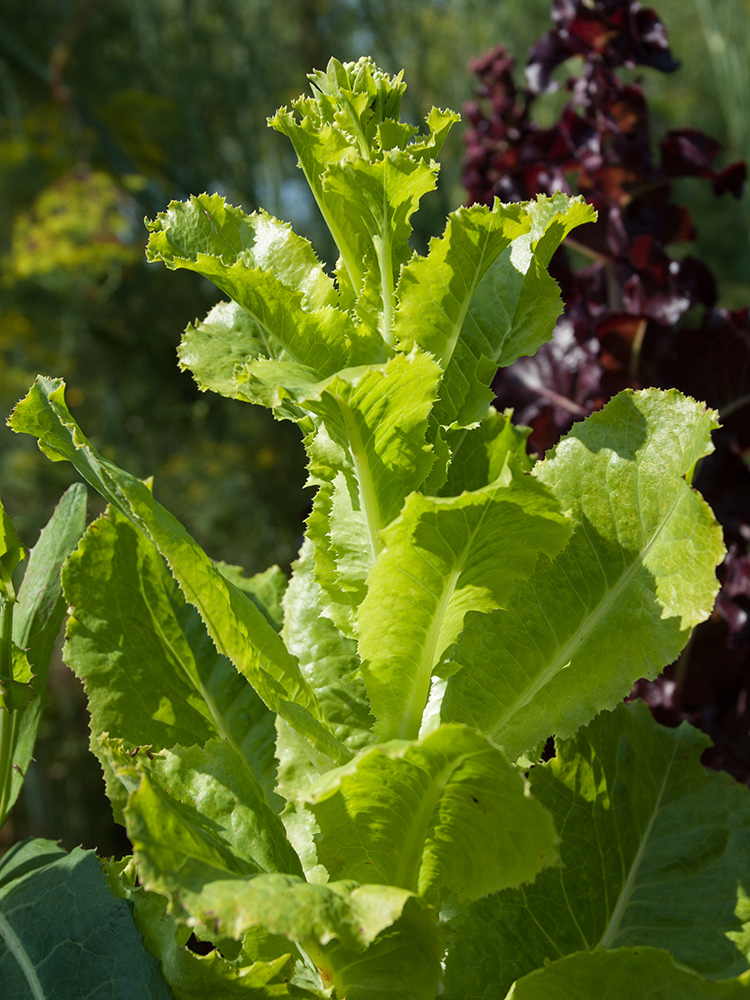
[(8, 718)]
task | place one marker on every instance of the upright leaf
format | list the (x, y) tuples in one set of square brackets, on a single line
[(644, 550), (512, 309), (38, 616), (444, 557)]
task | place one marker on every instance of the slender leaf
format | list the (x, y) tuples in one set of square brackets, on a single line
[(238, 628), (37, 618)]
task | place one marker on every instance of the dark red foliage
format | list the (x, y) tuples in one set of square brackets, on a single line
[(635, 314)]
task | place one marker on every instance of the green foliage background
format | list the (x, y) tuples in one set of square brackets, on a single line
[(111, 108)]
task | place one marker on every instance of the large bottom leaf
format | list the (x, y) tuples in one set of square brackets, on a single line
[(64, 936)]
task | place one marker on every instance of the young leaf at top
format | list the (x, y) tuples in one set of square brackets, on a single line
[(644, 549), (367, 173)]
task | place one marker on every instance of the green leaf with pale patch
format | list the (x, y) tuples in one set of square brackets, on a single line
[(446, 557), (239, 630), (447, 816), (620, 602), (269, 271), (194, 816)]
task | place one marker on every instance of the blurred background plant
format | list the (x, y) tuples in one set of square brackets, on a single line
[(111, 108)]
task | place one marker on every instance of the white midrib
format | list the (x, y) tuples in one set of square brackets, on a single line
[(411, 718), (410, 853), (16, 948), (367, 495), (565, 653), (626, 893)]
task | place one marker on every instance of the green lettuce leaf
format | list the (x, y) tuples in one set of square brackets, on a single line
[(262, 968), (367, 172), (445, 557), (445, 816), (654, 851), (239, 630), (151, 674), (269, 271), (364, 470), (646, 973), (484, 318), (195, 812), (644, 551)]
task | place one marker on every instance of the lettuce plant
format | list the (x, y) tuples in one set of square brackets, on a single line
[(333, 784)]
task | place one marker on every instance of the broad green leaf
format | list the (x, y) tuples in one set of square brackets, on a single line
[(513, 308), (63, 935), (646, 973), (434, 292), (402, 963), (37, 618), (228, 337), (269, 271), (654, 850), (238, 628), (643, 552), (445, 816), (151, 673), (11, 554), (445, 557)]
